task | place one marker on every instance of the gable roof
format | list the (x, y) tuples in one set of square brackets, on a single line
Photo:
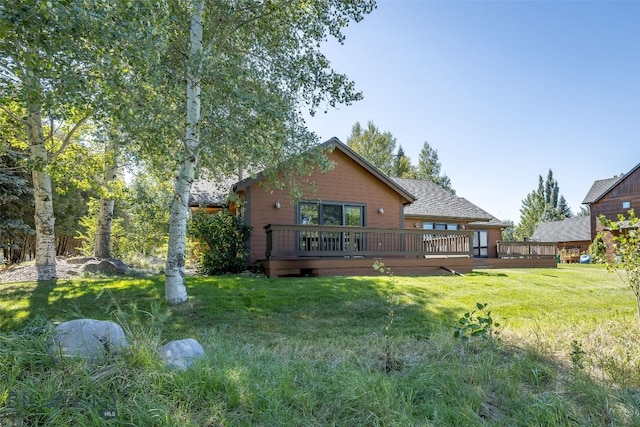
[(573, 229), (335, 144), (601, 187), (207, 192), (435, 202)]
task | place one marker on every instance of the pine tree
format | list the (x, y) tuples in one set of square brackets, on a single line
[(544, 204), (16, 203), (430, 169), (402, 167)]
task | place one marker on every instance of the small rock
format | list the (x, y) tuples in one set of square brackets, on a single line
[(88, 339), (181, 354)]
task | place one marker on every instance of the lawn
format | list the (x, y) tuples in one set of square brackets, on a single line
[(333, 351)]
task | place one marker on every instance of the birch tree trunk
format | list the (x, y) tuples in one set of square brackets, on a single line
[(43, 196), (105, 213), (175, 289)]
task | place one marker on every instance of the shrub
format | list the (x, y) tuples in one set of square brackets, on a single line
[(598, 249), (221, 237)]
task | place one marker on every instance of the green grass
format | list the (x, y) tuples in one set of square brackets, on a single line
[(313, 351)]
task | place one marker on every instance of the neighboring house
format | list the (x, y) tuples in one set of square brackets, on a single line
[(353, 214), (572, 236), (613, 196), (212, 195)]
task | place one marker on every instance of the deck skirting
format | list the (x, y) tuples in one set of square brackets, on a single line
[(321, 267)]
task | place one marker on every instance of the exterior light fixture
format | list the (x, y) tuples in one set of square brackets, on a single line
[(278, 205), (381, 210)]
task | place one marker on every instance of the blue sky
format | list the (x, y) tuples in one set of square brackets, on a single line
[(504, 90)]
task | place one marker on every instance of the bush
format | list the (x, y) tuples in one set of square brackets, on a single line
[(221, 237)]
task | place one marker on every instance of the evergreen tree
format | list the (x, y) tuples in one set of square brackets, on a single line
[(430, 169), (16, 204), (402, 167), (584, 211), (544, 204)]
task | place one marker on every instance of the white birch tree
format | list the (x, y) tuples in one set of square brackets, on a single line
[(55, 59), (250, 68), (102, 248), (175, 289)]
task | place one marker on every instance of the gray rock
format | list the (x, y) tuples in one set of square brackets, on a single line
[(181, 354), (81, 260), (111, 266), (88, 339)]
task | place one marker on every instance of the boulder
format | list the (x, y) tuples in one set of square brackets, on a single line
[(181, 354), (81, 260), (88, 339), (110, 266)]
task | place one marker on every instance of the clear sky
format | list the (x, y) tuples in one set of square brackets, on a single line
[(504, 90)]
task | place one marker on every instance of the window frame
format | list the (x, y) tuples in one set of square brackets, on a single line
[(320, 212)]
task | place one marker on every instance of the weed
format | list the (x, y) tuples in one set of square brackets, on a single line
[(577, 354), (472, 325)]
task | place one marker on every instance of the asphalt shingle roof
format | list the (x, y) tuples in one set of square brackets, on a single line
[(600, 187), (210, 192), (434, 201), (573, 229)]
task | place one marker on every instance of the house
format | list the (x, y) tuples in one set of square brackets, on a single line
[(572, 236), (612, 197), (436, 208), (353, 214)]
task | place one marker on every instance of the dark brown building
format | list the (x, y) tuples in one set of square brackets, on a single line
[(613, 196)]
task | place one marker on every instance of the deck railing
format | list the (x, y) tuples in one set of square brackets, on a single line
[(526, 249), (298, 241)]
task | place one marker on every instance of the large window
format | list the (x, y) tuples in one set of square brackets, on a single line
[(315, 213), (481, 244), (334, 214)]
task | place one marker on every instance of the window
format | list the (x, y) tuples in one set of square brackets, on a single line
[(626, 205), (481, 244), (331, 214), (313, 213), (439, 226)]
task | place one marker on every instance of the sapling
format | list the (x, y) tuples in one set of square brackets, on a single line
[(391, 363), (626, 251)]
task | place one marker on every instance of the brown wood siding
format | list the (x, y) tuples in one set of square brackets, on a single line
[(611, 204), (347, 182)]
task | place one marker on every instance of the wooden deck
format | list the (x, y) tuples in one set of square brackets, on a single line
[(344, 251), (311, 250)]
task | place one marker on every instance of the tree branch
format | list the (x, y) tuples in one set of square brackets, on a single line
[(235, 28), (67, 139), (13, 116)]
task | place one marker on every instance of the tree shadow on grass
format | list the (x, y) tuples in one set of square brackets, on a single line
[(62, 300), (309, 308), (487, 274), (344, 313)]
